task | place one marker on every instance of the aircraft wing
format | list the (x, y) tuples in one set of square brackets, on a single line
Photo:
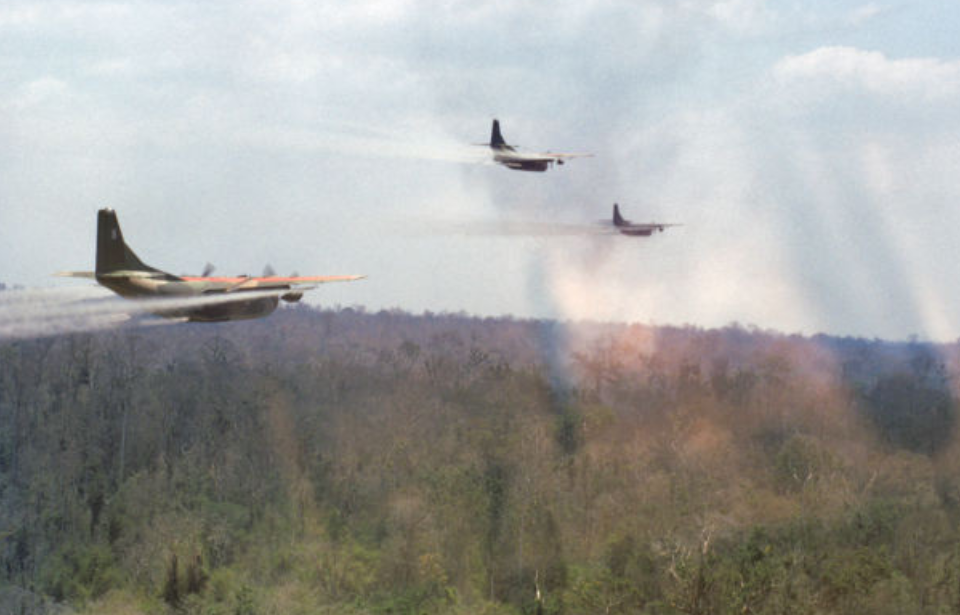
[(558, 155), (92, 275), (305, 279), (290, 282)]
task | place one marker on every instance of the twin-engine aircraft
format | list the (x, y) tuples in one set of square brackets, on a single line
[(237, 298), (634, 229), (508, 156)]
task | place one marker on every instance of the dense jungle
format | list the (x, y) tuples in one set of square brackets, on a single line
[(340, 461)]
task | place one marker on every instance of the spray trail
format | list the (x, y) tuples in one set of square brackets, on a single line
[(366, 142), (438, 151), (32, 313), (21, 296), (516, 228)]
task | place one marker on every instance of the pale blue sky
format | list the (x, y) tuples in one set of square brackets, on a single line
[(809, 148)]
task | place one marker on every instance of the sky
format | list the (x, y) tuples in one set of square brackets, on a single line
[(809, 150)]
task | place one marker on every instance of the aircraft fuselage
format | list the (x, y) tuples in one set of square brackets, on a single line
[(139, 285), (635, 232), (521, 163)]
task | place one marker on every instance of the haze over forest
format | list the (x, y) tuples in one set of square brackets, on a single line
[(337, 461)]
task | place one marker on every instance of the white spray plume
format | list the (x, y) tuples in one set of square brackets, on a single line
[(32, 313)]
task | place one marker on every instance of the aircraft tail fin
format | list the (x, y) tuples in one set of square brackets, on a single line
[(496, 139), (617, 218), (113, 254)]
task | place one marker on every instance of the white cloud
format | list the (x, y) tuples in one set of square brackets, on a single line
[(929, 79), (743, 16), (862, 14), (64, 15), (44, 90), (19, 16)]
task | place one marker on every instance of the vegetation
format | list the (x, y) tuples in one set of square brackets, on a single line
[(344, 462)]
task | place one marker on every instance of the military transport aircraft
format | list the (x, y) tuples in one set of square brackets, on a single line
[(634, 229), (508, 156), (121, 271)]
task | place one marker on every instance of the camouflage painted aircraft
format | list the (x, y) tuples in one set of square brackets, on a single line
[(634, 229), (121, 271), (508, 156)]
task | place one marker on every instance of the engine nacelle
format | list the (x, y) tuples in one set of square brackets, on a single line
[(291, 297)]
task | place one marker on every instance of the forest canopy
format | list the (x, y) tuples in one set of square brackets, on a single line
[(343, 461)]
